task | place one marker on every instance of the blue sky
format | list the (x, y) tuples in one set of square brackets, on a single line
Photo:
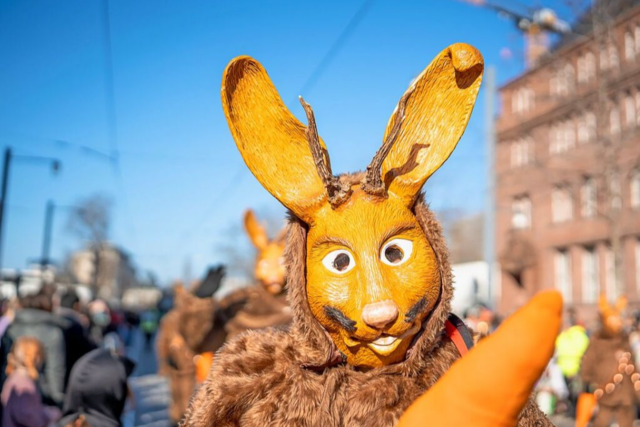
[(183, 182)]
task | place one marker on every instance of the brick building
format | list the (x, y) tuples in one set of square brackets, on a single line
[(568, 169)]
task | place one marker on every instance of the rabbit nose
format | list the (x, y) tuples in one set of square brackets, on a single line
[(378, 315)]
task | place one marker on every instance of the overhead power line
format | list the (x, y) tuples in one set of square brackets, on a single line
[(334, 49)]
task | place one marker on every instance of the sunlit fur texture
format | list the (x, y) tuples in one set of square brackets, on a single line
[(278, 377), (363, 225)]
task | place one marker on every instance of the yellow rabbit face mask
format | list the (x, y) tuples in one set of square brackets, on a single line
[(372, 276)]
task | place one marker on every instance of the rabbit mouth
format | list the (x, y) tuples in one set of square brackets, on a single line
[(384, 344)]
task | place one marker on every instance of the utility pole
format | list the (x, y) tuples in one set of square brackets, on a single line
[(3, 197), (45, 260), (490, 209), (8, 158)]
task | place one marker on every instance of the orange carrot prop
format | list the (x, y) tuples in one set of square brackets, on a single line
[(203, 361), (584, 410), (489, 386)]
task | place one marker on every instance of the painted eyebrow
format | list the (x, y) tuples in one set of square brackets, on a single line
[(331, 240), (397, 229)]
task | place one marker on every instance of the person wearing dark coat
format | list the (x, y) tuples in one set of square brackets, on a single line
[(97, 390), (76, 334), (35, 319)]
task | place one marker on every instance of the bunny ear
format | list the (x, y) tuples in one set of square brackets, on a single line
[(255, 230), (491, 384), (621, 303), (273, 143), (427, 123), (603, 304)]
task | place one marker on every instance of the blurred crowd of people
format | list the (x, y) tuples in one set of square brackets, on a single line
[(63, 361), (597, 361)]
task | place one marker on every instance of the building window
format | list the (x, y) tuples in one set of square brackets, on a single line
[(582, 69), (569, 76), (590, 275), (562, 82), (588, 198), (590, 120), (586, 125), (562, 264), (638, 107), (590, 66), (634, 186), (629, 111), (561, 204), (521, 213), (522, 100), (614, 120), (569, 134), (615, 192), (638, 265), (583, 132), (610, 269), (614, 60), (562, 137), (609, 58), (521, 152), (553, 138), (629, 46), (604, 59)]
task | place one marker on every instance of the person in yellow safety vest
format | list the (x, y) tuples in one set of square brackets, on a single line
[(571, 345)]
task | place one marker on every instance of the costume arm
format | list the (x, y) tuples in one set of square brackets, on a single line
[(587, 365)]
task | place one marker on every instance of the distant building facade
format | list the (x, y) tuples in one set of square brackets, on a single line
[(552, 226), (116, 272)]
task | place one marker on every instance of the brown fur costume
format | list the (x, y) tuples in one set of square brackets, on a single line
[(295, 376), (184, 332), (196, 325), (599, 365), (260, 310)]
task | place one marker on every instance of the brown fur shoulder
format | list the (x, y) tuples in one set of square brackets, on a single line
[(532, 416), (246, 369)]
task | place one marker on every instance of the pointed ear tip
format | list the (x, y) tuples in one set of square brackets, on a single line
[(465, 57), (241, 62), (236, 68)]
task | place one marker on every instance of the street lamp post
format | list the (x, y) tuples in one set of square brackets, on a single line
[(46, 241), (8, 158), (3, 204)]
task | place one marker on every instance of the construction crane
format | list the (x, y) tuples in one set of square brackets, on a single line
[(535, 23)]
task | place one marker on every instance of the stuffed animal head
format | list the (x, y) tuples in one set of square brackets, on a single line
[(611, 315), (372, 275), (270, 270)]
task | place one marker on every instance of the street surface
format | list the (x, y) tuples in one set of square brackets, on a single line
[(151, 391)]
